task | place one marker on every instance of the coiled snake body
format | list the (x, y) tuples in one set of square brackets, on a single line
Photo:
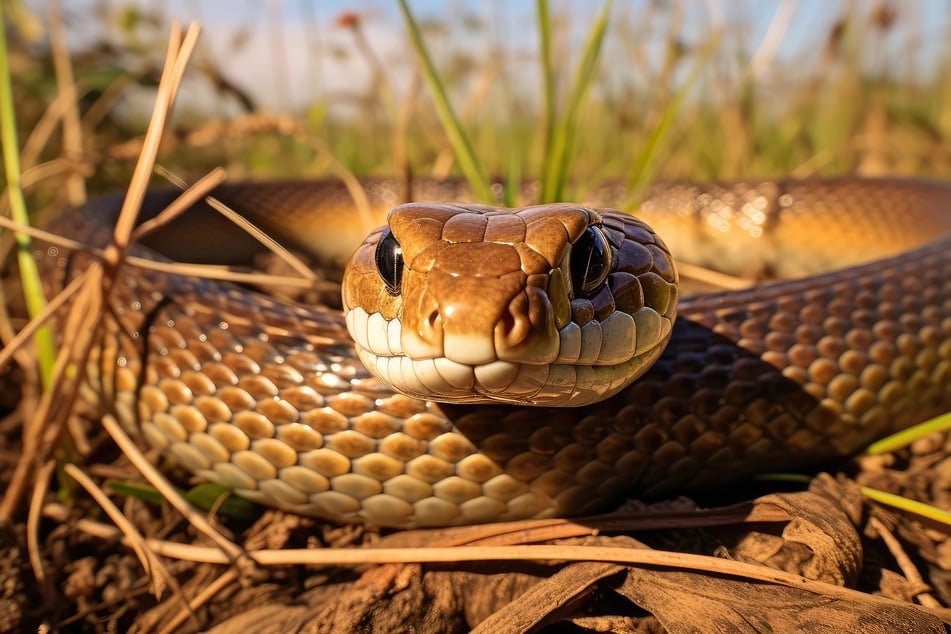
[(269, 398)]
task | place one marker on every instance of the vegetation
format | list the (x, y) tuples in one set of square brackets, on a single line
[(701, 106)]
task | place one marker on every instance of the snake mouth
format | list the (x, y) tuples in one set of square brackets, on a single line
[(593, 362)]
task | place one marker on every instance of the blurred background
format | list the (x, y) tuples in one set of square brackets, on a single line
[(680, 89)]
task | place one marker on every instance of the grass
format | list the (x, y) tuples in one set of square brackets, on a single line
[(561, 133), (699, 110), (469, 162), (32, 285)]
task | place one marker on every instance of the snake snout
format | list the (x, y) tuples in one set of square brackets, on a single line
[(474, 320)]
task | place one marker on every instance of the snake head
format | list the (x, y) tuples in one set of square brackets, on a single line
[(544, 305)]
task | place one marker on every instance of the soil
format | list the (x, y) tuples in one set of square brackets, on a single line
[(897, 562)]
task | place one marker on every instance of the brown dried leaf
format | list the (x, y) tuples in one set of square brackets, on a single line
[(686, 601), (819, 543)]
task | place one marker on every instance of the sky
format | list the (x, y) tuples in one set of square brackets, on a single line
[(286, 53)]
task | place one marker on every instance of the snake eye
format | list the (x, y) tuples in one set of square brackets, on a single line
[(389, 262), (590, 261)]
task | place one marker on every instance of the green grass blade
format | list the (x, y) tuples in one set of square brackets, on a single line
[(909, 505), (472, 168), (882, 497), (646, 162), (549, 115), (782, 476), (513, 177), (908, 436), (558, 157), (29, 272), (207, 496)]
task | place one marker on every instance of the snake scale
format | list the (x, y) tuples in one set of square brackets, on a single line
[(269, 398)]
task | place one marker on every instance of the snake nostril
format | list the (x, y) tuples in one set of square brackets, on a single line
[(507, 322), (512, 324), (431, 327)]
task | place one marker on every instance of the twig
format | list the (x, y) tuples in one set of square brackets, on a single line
[(72, 130), (456, 554), (43, 475), (131, 536), (208, 593), (179, 51), (908, 568), (230, 551), (181, 204), (42, 430), (714, 278), (208, 271), (37, 322), (40, 134), (198, 191)]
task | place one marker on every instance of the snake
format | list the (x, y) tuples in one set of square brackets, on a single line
[(513, 338)]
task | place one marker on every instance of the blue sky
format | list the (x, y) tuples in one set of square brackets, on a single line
[(301, 58)]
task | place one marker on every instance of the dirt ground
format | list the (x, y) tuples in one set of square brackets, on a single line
[(863, 565)]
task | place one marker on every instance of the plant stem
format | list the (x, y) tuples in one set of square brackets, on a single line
[(29, 272), (469, 162), (559, 154)]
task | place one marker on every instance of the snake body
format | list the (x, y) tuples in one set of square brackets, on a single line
[(269, 398)]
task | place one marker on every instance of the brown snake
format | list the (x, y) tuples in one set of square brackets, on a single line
[(269, 398)]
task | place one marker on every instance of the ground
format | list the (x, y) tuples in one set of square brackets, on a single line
[(634, 581)]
